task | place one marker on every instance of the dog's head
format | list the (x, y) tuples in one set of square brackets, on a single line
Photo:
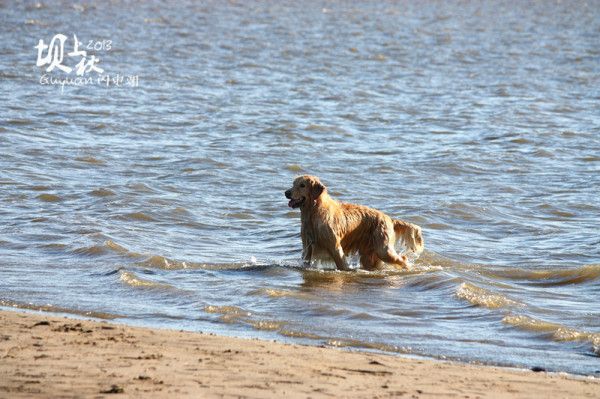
[(305, 190)]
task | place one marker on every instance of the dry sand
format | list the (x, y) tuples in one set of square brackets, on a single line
[(48, 356)]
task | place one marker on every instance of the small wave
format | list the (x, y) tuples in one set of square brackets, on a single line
[(39, 188), (294, 168), (132, 280), (121, 250), (141, 188), (361, 316), (234, 314), (229, 314), (279, 293), (94, 250), (102, 192), (54, 246), (299, 334), (433, 259), (482, 297), (161, 262), (227, 310), (354, 343), (90, 160), (49, 198), (267, 325), (57, 309), (108, 273), (431, 282), (138, 216), (549, 278), (592, 158), (555, 331), (240, 215), (19, 122), (59, 122)]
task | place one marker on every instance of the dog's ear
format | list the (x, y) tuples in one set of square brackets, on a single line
[(317, 189)]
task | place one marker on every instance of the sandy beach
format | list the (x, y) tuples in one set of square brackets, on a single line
[(48, 356)]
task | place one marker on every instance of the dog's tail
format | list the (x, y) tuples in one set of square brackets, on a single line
[(410, 235)]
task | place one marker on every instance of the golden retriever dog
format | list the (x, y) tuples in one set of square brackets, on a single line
[(336, 229)]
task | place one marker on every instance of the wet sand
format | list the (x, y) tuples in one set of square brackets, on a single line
[(48, 356)]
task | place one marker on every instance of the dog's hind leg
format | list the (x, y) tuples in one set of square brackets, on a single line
[(389, 255), (370, 262)]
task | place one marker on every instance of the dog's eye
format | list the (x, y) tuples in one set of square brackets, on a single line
[(302, 185)]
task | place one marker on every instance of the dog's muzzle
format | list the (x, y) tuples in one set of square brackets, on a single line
[(294, 203)]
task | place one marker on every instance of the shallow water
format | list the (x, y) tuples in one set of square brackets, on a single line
[(163, 204)]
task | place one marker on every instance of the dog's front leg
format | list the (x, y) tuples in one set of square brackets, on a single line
[(307, 243), (330, 241), (307, 252), (337, 253)]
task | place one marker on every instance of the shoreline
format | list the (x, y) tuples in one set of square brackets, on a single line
[(44, 355)]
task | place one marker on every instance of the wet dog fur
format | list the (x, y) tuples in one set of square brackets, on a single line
[(336, 229)]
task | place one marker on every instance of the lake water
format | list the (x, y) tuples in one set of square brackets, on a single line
[(162, 204)]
